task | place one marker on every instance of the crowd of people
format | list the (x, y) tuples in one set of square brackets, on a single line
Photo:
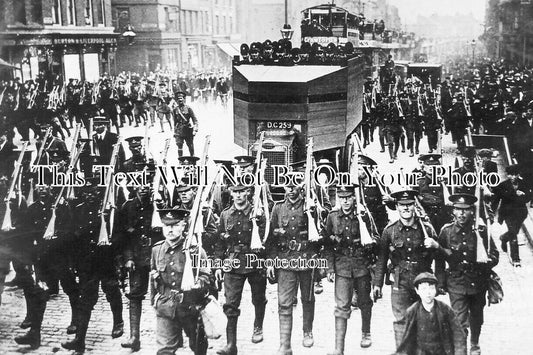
[(92, 234)]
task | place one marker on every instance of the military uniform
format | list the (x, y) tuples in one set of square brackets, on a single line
[(404, 246), (235, 231), (466, 280), (185, 127), (96, 265), (432, 197), (432, 126), (350, 260), (137, 238), (175, 308), (289, 240)]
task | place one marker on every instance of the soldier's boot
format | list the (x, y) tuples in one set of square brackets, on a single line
[(417, 145), (134, 342), (382, 144), (78, 343), (391, 153), (308, 317), (257, 336), (26, 323), (366, 315), (474, 338), (71, 329), (285, 331), (231, 336), (33, 336), (402, 142), (115, 301), (340, 335), (411, 153)]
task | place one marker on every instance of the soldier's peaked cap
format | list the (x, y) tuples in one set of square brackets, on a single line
[(188, 160), (430, 159), (180, 93), (134, 141), (463, 200), (425, 277), (485, 153), (345, 190), (244, 160), (404, 197), (364, 160), (170, 215), (238, 187)]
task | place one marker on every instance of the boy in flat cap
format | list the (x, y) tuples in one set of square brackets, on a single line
[(175, 307), (466, 279), (431, 327)]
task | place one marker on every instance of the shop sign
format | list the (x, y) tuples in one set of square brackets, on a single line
[(85, 40)]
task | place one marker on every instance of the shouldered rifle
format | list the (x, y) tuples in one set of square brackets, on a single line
[(313, 234), (259, 163), (6, 224), (2, 94), (103, 238), (49, 233), (481, 252), (195, 230), (366, 239), (156, 219)]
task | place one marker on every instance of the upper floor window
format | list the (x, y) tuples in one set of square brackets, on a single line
[(19, 9), (101, 13), (88, 13), (71, 12), (56, 12)]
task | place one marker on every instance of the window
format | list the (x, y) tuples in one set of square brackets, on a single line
[(88, 12), (122, 18), (71, 13), (167, 19), (101, 13), (56, 12), (19, 9), (217, 24), (224, 24), (231, 29)]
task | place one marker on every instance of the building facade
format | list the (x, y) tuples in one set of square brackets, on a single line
[(509, 30), (174, 34), (67, 38)]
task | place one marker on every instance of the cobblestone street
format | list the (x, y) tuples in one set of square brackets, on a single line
[(507, 330)]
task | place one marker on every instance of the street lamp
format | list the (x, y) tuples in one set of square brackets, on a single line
[(129, 34), (473, 44), (286, 32)]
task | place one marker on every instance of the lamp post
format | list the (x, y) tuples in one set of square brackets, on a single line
[(129, 34), (473, 44), (286, 31)]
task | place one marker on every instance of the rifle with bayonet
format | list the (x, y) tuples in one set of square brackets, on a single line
[(6, 224)]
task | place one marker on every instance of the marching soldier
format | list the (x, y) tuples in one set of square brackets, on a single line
[(468, 157), (348, 265), (432, 125), (95, 267), (137, 238), (405, 244), (432, 197), (236, 230), (289, 240), (185, 124), (137, 158), (413, 126), (176, 308), (465, 279)]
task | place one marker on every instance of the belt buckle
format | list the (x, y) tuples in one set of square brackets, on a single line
[(146, 241), (177, 295), (293, 245)]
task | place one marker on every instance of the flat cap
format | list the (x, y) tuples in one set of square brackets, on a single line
[(425, 277)]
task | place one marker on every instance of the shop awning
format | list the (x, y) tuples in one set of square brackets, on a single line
[(231, 49), (6, 65)]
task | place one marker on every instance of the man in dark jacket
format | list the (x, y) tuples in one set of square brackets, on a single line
[(511, 196), (431, 327)]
